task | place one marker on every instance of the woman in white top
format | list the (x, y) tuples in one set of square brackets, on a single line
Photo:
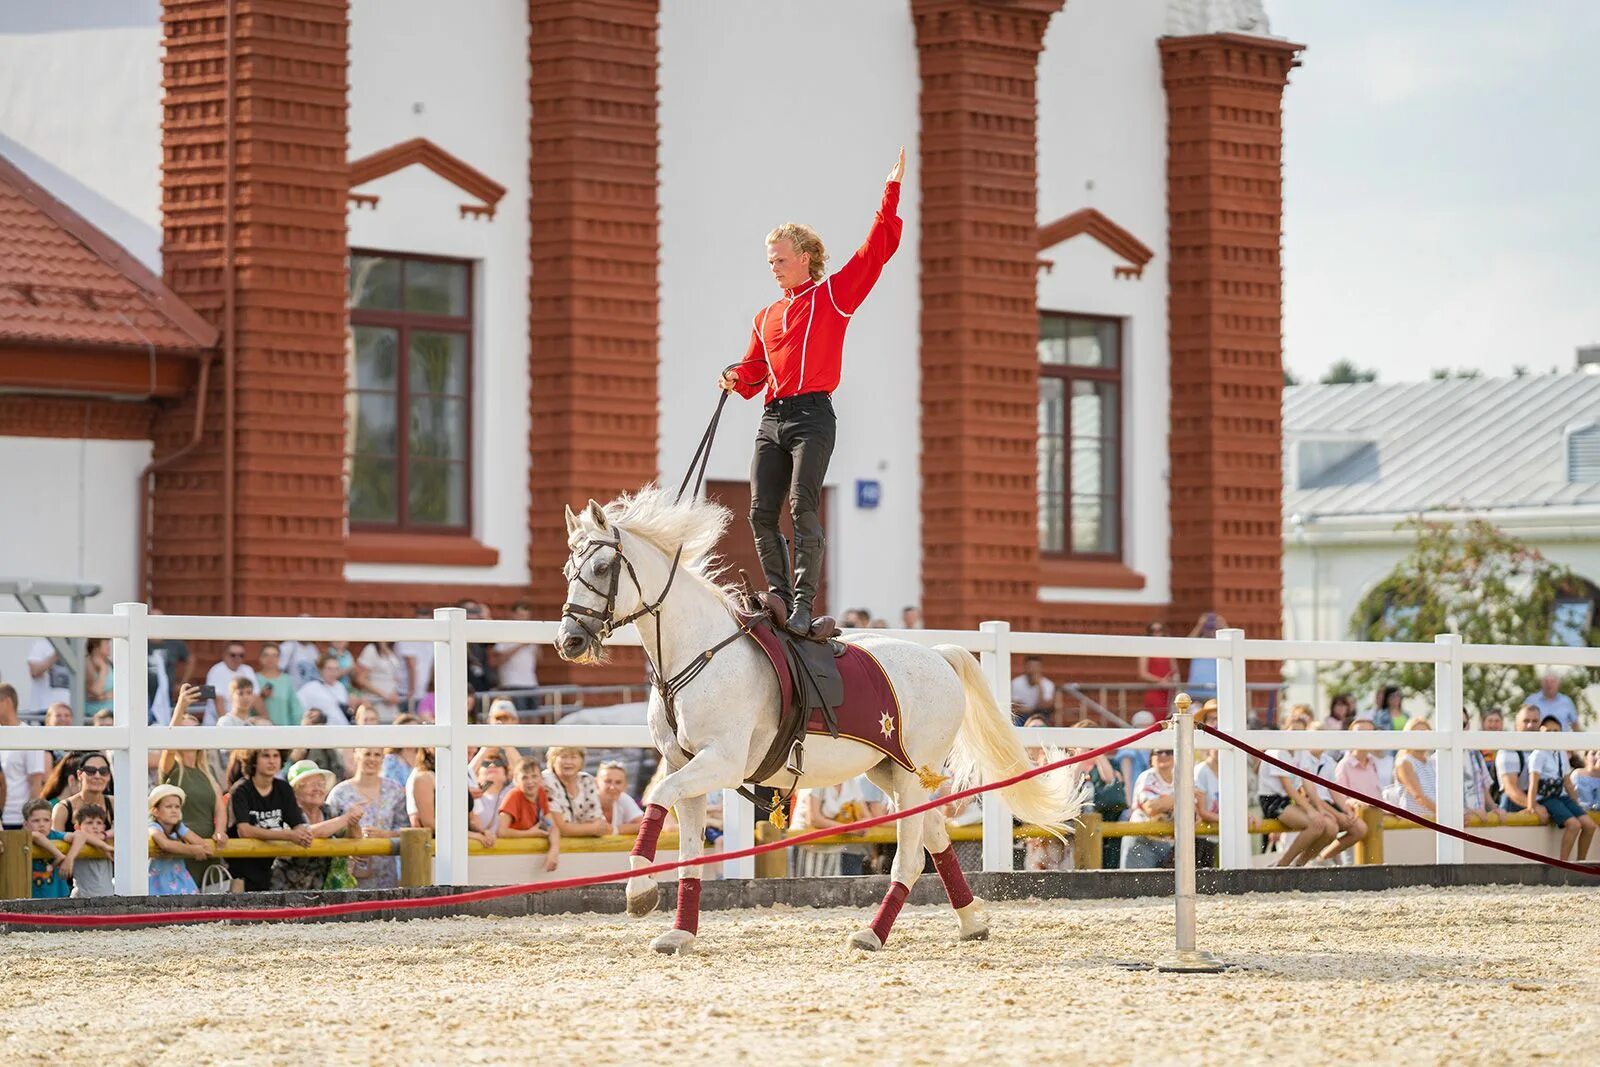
[(1151, 802), (377, 673), (1416, 776), (327, 694)]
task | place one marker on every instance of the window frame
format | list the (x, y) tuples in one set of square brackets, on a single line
[(403, 322), (1068, 373)]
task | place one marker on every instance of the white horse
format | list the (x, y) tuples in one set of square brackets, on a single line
[(727, 715)]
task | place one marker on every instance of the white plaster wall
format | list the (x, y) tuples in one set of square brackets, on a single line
[(1103, 144), (744, 148), (80, 110), (458, 76), (1323, 583), (71, 506)]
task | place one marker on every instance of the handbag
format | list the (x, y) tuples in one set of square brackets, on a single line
[(216, 879)]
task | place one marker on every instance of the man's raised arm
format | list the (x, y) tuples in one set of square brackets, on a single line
[(852, 282)]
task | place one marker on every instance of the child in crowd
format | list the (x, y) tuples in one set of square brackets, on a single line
[(47, 879), (1586, 782), (90, 877), (1551, 784), (169, 876), (525, 810)]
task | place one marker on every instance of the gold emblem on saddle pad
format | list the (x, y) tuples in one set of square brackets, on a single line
[(886, 724), (931, 780)]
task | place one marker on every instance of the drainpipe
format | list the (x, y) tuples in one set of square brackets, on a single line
[(229, 346), (147, 476)]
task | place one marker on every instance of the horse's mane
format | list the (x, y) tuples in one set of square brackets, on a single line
[(697, 524)]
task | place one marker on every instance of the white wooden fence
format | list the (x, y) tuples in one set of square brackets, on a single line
[(131, 738)]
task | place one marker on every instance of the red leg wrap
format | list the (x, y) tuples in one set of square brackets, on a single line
[(649, 832), (955, 883), (889, 910), (688, 916)]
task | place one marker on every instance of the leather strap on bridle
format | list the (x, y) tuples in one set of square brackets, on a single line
[(609, 624)]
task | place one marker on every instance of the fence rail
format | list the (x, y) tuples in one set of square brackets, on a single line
[(131, 739)]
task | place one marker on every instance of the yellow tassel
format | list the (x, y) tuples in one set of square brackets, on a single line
[(777, 817), (931, 780)]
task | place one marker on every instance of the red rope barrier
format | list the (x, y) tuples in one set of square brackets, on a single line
[(1392, 809), (357, 907)]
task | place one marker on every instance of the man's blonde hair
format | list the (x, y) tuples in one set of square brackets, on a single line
[(804, 240)]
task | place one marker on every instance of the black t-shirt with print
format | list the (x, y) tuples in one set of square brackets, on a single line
[(278, 810)]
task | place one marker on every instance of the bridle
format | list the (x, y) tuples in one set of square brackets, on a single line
[(606, 616)]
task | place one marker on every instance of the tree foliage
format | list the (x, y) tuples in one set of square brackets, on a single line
[(1345, 372), (1476, 581)]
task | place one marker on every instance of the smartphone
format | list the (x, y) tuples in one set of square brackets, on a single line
[(208, 692), (266, 689)]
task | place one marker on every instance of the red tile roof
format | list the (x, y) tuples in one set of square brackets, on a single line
[(65, 282)]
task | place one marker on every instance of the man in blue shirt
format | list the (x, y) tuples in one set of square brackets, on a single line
[(1550, 700)]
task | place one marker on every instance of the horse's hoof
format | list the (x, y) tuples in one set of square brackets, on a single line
[(674, 943), (977, 933), (865, 940), (645, 901)]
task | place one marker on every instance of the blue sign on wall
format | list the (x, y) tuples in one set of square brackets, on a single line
[(868, 493)]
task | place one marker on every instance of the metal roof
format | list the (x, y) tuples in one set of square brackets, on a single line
[(1454, 444)]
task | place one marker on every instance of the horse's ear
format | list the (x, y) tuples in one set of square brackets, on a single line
[(596, 515), (572, 521)]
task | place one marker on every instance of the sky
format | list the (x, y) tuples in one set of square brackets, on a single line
[(1441, 184)]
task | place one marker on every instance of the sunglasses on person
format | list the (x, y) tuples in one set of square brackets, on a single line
[(495, 763), (99, 770)]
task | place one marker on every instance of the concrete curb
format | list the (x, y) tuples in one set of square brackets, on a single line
[(843, 892)]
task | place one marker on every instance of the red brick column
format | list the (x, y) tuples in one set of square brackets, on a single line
[(979, 324), (1225, 207), (594, 321), (290, 103)]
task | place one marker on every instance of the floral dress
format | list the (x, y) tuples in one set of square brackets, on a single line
[(582, 806), (389, 813), (315, 872), (169, 875)]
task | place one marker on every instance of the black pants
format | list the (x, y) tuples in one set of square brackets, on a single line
[(793, 447)]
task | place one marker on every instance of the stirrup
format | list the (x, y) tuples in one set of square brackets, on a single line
[(795, 764)]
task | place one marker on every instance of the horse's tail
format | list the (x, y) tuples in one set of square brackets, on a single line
[(987, 749)]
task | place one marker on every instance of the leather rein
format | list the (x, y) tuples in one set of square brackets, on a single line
[(606, 617)]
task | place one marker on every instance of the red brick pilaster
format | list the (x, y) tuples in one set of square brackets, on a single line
[(291, 176), (593, 319), (979, 324), (1224, 204)]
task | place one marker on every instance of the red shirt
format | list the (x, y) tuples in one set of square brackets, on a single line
[(525, 814), (797, 342)]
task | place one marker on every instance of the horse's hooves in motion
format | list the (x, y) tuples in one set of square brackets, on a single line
[(977, 933), (865, 940), (643, 900), (674, 943)]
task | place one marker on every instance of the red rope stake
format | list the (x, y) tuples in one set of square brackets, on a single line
[(644, 846), (1384, 805), (889, 910), (955, 883), (687, 917), (498, 892)]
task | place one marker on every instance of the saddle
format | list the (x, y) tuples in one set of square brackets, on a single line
[(825, 686)]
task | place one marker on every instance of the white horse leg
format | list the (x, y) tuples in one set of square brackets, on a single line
[(907, 866), (707, 771), (973, 927), (691, 843)]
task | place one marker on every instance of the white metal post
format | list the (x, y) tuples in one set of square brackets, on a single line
[(1186, 958), (130, 658), (997, 855), (738, 832), (450, 759), (1451, 760), (1232, 768)]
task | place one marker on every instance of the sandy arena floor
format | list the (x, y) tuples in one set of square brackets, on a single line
[(1457, 977)]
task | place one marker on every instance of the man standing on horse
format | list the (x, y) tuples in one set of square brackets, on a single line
[(796, 349)]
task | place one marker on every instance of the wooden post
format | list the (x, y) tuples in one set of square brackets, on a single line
[(1086, 843), (1369, 850), (16, 865), (416, 865), (774, 864)]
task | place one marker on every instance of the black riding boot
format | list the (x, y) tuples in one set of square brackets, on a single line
[(807, 576), (773, 549)]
